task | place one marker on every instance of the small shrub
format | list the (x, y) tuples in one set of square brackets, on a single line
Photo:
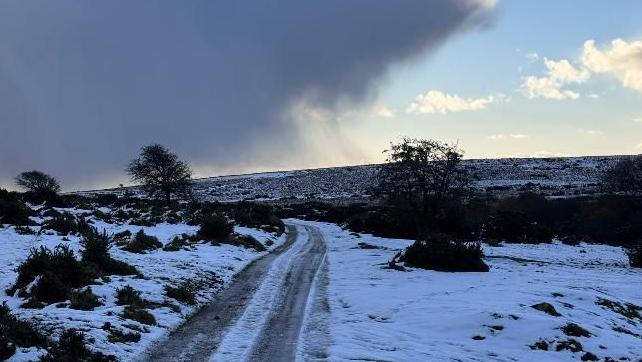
[(59, 272), (635, 255), (142, 243), (12, 210), (247, 241), (258, 216), (15, 332), (24, 230), (140, 221), (440, 253), (541, 345), (588, 356), (129, 296), (117, 336), (574, 330), (139, 315), (96, 255), (71, 347), (546, 308), (84, 300), (178, 243), (215, 228), (627, 310), (570, 344), (182, 294), (48, 289), (121, 238), (63, 224)]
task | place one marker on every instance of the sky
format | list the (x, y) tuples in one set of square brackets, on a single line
[(244, 86)]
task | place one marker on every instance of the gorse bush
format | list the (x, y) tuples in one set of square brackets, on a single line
[(71, 348), (63, 224), (439, 252), (15, 332), (635, 254), (12, 210), (257, 216), (84, 299), (215, 227), (142, 243), (183, 294), (129, 296), (138, 314), (97, 258), (246, 241), (59, 271)]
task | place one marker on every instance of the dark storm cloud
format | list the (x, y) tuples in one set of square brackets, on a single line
[(84, 83)]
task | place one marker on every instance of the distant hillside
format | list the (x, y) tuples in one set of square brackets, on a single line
[(568, 176)]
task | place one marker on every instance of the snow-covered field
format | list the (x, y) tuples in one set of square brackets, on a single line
[(205, 267), (550, 176), (379, 314)]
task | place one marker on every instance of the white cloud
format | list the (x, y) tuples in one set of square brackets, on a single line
[(440, 102), (591, 132), (558, 74), (382, 111), (637, 120), (515, 136), (623, 61)]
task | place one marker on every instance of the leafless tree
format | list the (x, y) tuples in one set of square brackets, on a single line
[(38, 182), (160, 172)]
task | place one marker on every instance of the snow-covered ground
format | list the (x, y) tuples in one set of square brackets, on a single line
[(205, 267), (551, 176), (379, 314)]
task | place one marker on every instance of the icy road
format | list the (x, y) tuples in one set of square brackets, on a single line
[(261, 314)]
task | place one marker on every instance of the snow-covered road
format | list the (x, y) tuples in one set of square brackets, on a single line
[(261, 314)]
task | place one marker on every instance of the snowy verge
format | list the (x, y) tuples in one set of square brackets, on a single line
[(419, 315), (209, 268)]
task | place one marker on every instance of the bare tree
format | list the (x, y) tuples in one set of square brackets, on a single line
[(38, 182), (160, 172), (625, 176), (423, 173)]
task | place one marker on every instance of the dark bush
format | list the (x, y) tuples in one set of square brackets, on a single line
[(59, 267), (178, 243), (117, 336), (96, 257), (63, 224), (635, 254), (183, 294), (84, 299), (71, 348), (142, 243), (516, 227), (12, 210), (258, 216), (129, 296), (441, 253), (139, 315), (246, 241), (15, 332), (24, 230), (215, 227)]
